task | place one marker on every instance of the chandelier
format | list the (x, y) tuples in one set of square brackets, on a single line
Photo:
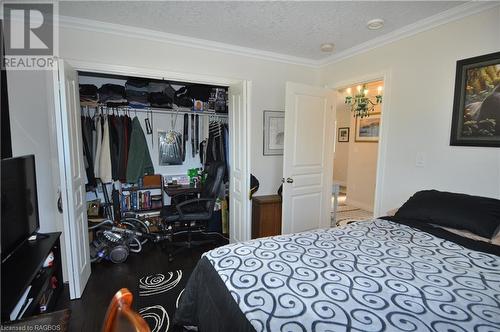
[(361, 105)]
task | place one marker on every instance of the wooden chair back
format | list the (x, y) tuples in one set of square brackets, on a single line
[(121, 317)]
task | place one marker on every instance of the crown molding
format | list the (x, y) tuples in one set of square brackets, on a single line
[(453, 14), (467, 9), (179, 40)]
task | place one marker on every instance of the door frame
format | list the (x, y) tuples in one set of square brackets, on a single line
[(174, 76), (384, 76)]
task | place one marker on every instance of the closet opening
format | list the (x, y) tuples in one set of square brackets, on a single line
[(157, 164)]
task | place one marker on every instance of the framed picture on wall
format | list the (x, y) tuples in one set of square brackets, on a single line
[(368, 129), (274, 133), (476, 106), (343, 134)]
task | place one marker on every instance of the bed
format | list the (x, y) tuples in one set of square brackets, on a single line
[(387, 274)]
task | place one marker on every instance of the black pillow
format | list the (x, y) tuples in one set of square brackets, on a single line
[(479, 215)]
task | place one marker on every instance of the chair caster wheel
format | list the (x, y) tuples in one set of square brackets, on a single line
[(170, 258)]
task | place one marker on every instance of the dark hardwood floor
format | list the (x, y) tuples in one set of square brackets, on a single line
[(107, 278)]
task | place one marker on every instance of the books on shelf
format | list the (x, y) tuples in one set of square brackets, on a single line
[(140, 200)]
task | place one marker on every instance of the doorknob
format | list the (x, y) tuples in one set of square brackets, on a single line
[(289, 180)]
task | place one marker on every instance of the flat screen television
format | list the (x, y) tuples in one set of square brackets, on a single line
[(19, 202)]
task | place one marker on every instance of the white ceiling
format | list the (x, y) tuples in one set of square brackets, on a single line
[(291, 28)]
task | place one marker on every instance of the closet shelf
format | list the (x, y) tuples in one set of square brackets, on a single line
[(175, 110)]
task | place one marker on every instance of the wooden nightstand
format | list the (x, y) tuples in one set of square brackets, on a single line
[(266, 216)]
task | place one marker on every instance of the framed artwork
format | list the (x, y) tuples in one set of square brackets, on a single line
[(368, 129), (274, 133), (476, 106), (343, 134)]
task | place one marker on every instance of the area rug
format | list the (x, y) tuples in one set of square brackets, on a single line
[(351, 214), (159, 296)]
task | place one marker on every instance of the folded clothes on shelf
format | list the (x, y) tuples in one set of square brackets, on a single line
[(88, 91), (162, 87), (137, 84), (141, 97), (182, 98), (160, 99), (112, 93)]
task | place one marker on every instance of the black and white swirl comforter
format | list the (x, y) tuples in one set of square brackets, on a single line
[(366, 276)]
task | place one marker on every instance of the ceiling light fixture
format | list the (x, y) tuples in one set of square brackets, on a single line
[(375, 24), (362, 105), (327, 47)]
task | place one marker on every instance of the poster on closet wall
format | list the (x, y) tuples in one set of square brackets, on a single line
[(169, 148), (274, 133)]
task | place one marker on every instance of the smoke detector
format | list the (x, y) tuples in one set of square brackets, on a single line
[(375, 24), (327, 47)]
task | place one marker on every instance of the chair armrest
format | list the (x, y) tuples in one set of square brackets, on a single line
[(182, 197), (191, 202)]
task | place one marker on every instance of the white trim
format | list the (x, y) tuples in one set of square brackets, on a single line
[(149, 73), (382, 146), (170, 38), (453, 14), (246, 191)]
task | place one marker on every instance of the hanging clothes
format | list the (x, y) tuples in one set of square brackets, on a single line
[(105, 169), (185, 135), (124, 146), (197, 133), (86, 127), (217, 147), (97, 158), (139, 161)]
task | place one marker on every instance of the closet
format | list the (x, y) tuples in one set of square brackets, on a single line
[(79, 195), (142, 136)]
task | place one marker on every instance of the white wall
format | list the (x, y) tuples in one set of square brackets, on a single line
[(268, 79), (418, 108)]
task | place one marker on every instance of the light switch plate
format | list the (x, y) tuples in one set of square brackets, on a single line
[(420, 159)]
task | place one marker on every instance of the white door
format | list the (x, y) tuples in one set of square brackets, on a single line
[(239, 173), (307, 157), (72, 177)]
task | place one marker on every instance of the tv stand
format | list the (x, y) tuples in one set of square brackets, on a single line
[(37, 236), (24, 268)]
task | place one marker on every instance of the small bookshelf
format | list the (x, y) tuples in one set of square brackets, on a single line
[(141, 199)]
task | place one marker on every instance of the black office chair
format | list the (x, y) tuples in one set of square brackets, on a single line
[(193, 213)]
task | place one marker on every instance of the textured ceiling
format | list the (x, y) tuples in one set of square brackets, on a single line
[(292, 28)]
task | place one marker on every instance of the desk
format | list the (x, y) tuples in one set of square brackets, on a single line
[(181, 189)]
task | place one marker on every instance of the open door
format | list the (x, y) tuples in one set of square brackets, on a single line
[(307, 157), (239, 220), (72, 177)]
